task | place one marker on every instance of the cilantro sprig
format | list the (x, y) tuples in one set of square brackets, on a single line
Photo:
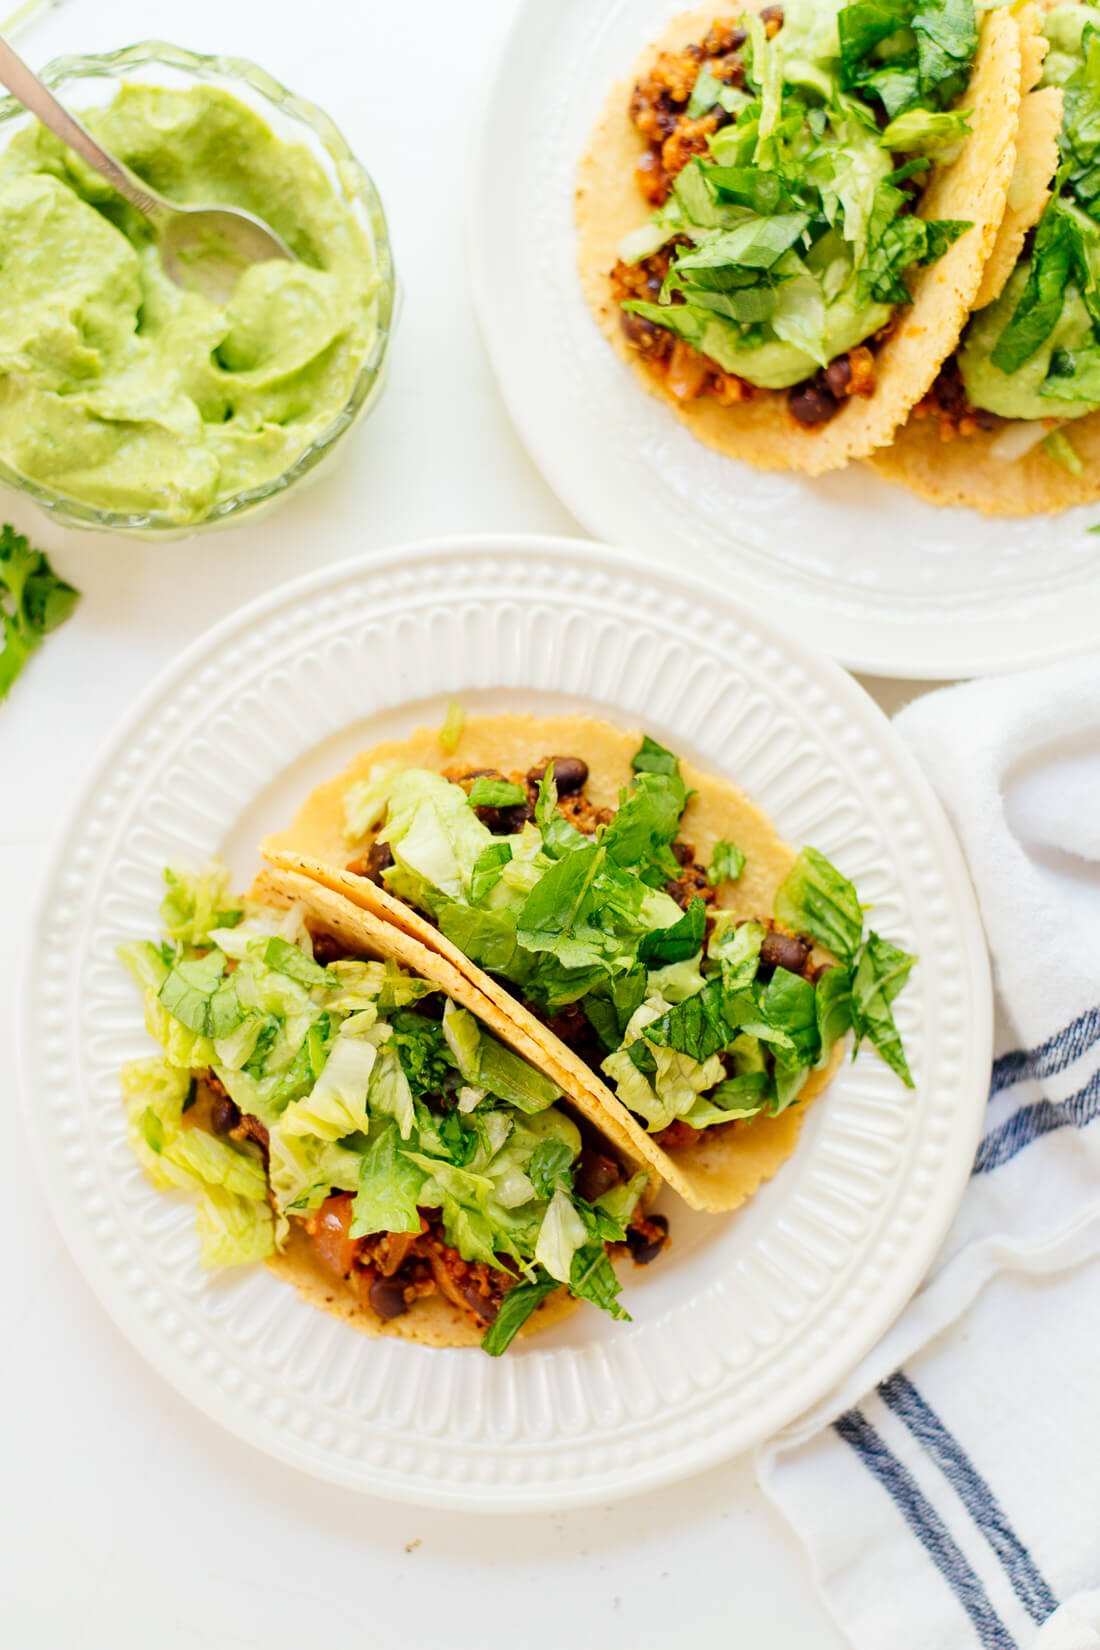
[(33, 601)]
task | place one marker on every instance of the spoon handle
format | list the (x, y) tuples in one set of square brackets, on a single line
[(25, 85)]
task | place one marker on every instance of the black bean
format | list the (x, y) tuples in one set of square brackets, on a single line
[(326, 948), (570, 773), (483, 1305), (387, 1297), (380, 858), (788, 951), (812, 404), (644, 1247), (666, 114), (505, 821), (772, 14), (838, 375), (595, 1174), (642, 334), (224, 1115)]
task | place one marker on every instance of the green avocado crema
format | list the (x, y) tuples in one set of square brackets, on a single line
[(792, 239), (121, 390), (1034, 353)]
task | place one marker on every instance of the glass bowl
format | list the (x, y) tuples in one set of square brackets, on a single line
[(86, 81)]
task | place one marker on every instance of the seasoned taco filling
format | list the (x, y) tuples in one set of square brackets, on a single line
[(309, 1095), (786, 156), (604, 923), (1031, 358)]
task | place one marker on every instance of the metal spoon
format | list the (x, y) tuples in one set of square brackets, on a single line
[(204, 248)]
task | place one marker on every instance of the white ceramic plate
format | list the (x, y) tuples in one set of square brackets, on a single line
[(847, 563), (748, 1319)]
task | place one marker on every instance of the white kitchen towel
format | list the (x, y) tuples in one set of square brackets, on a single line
[(948, 1494)]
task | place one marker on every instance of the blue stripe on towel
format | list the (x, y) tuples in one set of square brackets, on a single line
[(1028, 1583), (1002, 1143), (929, 1528), (1050, 1057)]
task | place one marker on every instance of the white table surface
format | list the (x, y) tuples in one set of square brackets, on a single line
[(126, 1518)]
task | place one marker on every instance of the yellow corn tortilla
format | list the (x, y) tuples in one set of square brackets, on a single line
[(725, 1166), (1036, 159), (973, 187), (1034, 44), (1036, 164), (432, 1320), (966, 470)]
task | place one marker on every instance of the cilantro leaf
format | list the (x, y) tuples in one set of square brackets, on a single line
[(33, 601)]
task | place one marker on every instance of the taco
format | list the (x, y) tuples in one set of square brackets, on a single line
[(826, 183), (357, 1126), (1012, 424), (638, 918)]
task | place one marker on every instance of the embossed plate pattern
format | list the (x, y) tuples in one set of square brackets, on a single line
[(849, 564), (748, 1319)]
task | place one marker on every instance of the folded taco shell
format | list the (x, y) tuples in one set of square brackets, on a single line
[(973, 187)]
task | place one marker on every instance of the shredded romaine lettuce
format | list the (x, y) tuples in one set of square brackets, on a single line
[(196, 902), (591, 924), (234, 1221), (561, 1234), (360, 1090)]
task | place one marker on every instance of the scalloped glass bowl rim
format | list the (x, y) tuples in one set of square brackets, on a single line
[(358, 187)]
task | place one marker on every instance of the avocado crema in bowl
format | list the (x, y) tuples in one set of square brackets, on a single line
[(129, 403)]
